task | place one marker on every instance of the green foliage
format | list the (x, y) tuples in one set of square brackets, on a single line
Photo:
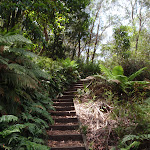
[(132, 65), (47, 23), (27, 84), (11, 39), (21, 90), (116, 76), (89, 69), (8, 118), (122, 41)]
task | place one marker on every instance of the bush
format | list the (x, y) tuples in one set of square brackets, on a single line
[(132, 65), (89, 69)]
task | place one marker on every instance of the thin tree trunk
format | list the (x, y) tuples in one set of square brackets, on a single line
[(79, 51), (13, 19), (46, 39), (45, 33), (1, 49), (140, 28), (96, 41), (88, 51)]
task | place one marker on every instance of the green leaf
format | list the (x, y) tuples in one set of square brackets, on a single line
[(106, 71), (130, 78), (117, 70), (12, 129), (8, 118)]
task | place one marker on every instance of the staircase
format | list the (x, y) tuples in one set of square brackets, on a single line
[(65, 133)]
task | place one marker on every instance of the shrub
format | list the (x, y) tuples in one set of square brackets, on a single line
[(88, 69), (132, 65)]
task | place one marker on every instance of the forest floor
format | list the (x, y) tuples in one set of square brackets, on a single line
[(96, 122)]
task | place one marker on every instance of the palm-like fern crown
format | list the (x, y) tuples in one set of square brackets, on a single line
[(11, 39)]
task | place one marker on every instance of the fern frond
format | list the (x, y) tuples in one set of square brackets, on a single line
[(41, 122), (129, 138), (38, 140), (27, 116), (133, 145), (8, 118), (135, 137), (23, 52), (14, 137), (17, 38), (32, 145), (17, 68), (32, 127), (22, 70), (100, 77), (41, 111), (3, 60), (130, 78), (12, 129), (19, 80), (106, 71), (117, 70)]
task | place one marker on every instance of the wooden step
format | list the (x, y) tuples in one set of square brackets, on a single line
[(63, 113), (62, 100), (63, 104), (64, 127), (66, 120), (78, 86), (67, 108), (69, 148), (66, 97), (73, 137), (70, 92)]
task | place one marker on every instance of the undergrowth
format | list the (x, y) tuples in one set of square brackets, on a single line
[(27, 85), (130, 107)]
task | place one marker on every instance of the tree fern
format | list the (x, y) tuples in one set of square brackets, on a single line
[(9, 39), (19, 80), (23, 52)]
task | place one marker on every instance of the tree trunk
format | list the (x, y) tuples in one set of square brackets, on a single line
[(79, 52), (96, 41), (140, 28), (46, 39), (13, 19), (88, 51), (45, 33), (1, 49)]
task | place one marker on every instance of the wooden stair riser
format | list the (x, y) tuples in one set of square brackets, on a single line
[(73, 137), (64, 127), (69, 92), (63, 104), (64, 108), (66, 97), (66, 120), (63, 113), (62, 100)]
